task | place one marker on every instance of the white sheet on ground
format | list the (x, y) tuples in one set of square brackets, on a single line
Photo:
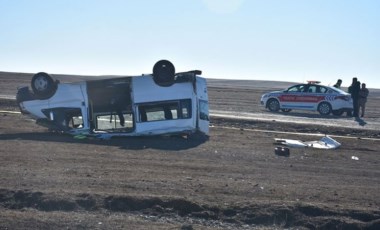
[(290, 143), (324, 143)]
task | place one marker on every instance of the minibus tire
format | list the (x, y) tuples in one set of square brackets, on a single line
[(43, 85), (163, 73)]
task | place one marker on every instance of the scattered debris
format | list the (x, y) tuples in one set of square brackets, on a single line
[(324, 143), (355, 158), (282, 151), (291, 143), (80, 137)]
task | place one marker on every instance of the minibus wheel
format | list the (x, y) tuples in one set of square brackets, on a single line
[(163, 73), (43, 85)]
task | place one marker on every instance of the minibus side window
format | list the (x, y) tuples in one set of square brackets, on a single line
[(186, 109), (109, 122), (166, 110)]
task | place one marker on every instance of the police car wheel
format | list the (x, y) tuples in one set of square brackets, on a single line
[(286, 110), (324, 108), (43, 85), (338, 112), (273, 105)]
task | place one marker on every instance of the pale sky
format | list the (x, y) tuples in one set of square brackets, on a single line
[(284, 40)]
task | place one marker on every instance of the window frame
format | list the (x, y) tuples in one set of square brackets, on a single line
[(159, 106), (115, 121)]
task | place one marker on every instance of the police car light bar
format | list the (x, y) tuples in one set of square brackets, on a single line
[(313, 82)]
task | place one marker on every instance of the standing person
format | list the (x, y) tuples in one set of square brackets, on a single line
[(117, 106), (363, 94), (354, 91), (338, 84)]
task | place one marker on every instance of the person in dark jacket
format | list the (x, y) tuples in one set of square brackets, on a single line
[(363, 94), (338, 84), (354, 91)]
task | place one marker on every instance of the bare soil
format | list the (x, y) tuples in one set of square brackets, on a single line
[(233, 180)]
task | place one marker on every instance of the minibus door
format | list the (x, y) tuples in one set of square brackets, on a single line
[(203, 120)]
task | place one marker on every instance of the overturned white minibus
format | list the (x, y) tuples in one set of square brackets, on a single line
[(163, 102)]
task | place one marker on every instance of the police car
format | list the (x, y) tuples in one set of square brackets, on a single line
[(311, 96)]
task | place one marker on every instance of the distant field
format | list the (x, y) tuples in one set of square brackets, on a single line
[(23, 79)]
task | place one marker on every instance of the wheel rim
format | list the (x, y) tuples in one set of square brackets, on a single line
[(324, 109), (41, 83), (274, 105)]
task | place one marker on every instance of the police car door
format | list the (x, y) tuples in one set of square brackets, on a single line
[(290, 98), (311, 97)]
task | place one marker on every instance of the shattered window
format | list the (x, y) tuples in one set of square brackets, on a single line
[(66, 118), (76, 122)]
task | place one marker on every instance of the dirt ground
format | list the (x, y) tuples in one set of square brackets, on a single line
[(233, 180)]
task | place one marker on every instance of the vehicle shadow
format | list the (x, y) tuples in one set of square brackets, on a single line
[(311, 115), (171, 143), (359, 120)]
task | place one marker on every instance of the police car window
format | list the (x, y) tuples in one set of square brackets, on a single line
[(312, 89), (323, 89), (297, 88), (293, 89)]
